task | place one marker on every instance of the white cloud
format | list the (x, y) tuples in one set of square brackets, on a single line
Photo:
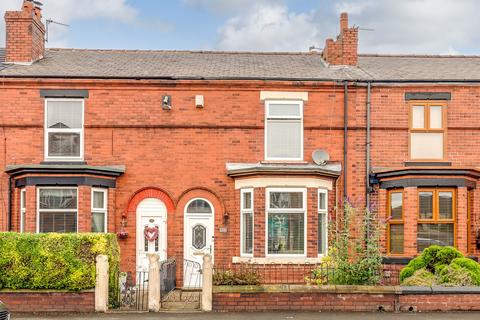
[(400, 26), (68, 11), (269, 27), (225, 7), (415, 26)]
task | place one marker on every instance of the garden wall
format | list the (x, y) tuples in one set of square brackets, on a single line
[(48, 301), (344, 298)]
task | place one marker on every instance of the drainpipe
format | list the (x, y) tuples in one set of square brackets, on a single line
[(9, 204), (345, 137), (367, 175)]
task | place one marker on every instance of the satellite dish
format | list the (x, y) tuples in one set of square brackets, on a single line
[(320, 157)]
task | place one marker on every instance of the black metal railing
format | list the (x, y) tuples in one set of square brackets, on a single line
[(131, 291), (318, 274), (168, 276)]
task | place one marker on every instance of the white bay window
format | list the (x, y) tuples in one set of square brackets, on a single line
[(246, 222), (57, 209), (286, 221), (99, 210)]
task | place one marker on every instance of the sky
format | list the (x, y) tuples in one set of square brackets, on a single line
[(386, 26)]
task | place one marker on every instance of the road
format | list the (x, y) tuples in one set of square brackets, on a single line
[(256, 316)]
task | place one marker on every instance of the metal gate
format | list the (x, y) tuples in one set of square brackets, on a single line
[(131, 292), (192, 274), (168, 277)]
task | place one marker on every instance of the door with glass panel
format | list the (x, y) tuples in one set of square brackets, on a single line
[(198, 238)]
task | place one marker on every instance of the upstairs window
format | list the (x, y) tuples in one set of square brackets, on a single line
[(427, 131), (284, 130), (64, 129)]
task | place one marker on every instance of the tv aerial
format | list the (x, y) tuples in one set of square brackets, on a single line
[(49, 21)]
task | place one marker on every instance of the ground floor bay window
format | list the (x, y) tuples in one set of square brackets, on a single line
[(436, 218), (57, 209), (286, 221)]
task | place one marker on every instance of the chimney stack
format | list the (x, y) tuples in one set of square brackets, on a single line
[(25, 34), (343, 50)]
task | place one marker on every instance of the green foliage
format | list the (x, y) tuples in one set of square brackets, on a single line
[(243, 276), (444, 266), (352, 260), (421, 277), (55, 261)]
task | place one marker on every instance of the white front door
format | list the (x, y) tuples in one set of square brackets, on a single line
[(199, 240), (151, 231)]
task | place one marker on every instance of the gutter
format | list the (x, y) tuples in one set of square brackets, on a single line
[(9, 218), (345, 137), (367, 170)]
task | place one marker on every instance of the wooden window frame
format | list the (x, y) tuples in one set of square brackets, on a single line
[(395, 221), (426, 118), (435, 214)]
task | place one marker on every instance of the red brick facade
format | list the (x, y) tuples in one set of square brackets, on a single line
[(180, 154)]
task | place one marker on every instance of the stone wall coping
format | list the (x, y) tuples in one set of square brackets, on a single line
[(343, 289), (45, 291)]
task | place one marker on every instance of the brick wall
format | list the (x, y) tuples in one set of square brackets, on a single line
[(343, 50), (48, 301), (343, 298)]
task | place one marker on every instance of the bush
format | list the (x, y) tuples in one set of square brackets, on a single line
[(441, 266), (421, 277), (55, 261), (236, 277)]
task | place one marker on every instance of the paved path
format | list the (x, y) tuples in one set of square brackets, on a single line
[(258, 316)]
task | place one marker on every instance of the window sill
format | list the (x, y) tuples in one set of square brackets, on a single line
[(427, 163), (293, 161), (277, 260)]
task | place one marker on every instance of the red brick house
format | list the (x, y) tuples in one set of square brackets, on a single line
[(190, 152)]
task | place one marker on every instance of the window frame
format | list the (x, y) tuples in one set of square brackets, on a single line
[(23, 208), (395, 221), (325, 212), (76, 130), (435, 214), (55, 210), (268, 117), (242, 222), (288, 210), (103, 210), (426, 104)]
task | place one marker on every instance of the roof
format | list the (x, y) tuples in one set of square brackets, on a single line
[(247, 169), (420, 68), (111, 171), (76, 63), (220, 65)]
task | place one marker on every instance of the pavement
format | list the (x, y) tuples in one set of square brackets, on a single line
[(256, 316)]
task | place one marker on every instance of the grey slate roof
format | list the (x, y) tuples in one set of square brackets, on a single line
[(176, 65), (421, 68), (78, 63)]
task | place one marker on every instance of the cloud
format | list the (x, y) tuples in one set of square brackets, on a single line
[(68, 11), (415, 26), (269, 27), (226, 7), (406, 26)]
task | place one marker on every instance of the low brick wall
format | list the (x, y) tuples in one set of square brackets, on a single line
[(48, 301), (344, 298)]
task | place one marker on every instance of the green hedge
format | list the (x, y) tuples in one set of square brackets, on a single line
[(55, 261)]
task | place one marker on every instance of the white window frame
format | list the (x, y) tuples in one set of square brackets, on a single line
[(23, 209), (268, 117), (282, 210), (48, 130), (242, 222), (324, 212), (103, 210), (54, 210)]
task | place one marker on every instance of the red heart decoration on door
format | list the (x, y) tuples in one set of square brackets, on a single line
[(151, 233)]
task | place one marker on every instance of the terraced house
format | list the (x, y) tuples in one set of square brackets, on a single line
[(244, 155)]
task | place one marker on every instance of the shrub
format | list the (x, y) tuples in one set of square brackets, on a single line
[(421, 277), (55, 261), (441, 266), (242, 276)]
